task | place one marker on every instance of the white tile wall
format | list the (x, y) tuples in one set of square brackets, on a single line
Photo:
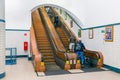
[(2, 48), (110, 50), (15, 39)]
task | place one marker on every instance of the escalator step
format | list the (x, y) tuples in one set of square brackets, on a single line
[(43, 45), (49, 60), (50, 63), (45, 50), (42, 40), (40, 43), (48, 57), (47, 54)]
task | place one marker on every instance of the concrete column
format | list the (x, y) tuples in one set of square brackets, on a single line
[(2, 39)]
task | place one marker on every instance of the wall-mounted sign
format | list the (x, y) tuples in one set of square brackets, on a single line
[(65, 15), (71, 23), (109, 34), (102, 31), (60, 11), (90, 34), (79, 33)]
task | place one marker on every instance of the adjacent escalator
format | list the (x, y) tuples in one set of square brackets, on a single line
[(63, 37), (93, 58)]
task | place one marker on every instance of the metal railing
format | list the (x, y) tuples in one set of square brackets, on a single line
[(11, 56)]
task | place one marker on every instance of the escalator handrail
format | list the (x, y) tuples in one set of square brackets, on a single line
[(34, 44), (94, 52), (99, 57), (36, 55), (42, 59)]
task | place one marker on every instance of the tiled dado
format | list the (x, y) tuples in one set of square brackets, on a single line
[(2, 75), (2, 49), (1, 20)]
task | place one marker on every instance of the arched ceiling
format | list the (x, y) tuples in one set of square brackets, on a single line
[(87, 13), (76, 19)]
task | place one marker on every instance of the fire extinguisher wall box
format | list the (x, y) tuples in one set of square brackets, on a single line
[(25, 46)]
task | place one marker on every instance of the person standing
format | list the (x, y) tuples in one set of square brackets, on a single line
[(79, 48), (72, 41), (56, 21)]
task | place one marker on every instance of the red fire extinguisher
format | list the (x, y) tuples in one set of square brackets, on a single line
[(25, 46)]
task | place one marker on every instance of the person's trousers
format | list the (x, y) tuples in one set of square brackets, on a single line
[(81, 56)]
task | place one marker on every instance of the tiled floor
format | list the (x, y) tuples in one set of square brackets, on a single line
[(24, 71)]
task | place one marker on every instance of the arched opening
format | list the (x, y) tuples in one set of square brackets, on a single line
[(73, 17), (58, 33)]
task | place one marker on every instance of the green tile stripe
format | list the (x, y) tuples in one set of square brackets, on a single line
[(101, 26), (112, 68), (2, 75), (2, 20), (18, 56), (16, 30)]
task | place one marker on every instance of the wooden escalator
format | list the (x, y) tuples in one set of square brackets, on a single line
[(43, 42), (95, 57)]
